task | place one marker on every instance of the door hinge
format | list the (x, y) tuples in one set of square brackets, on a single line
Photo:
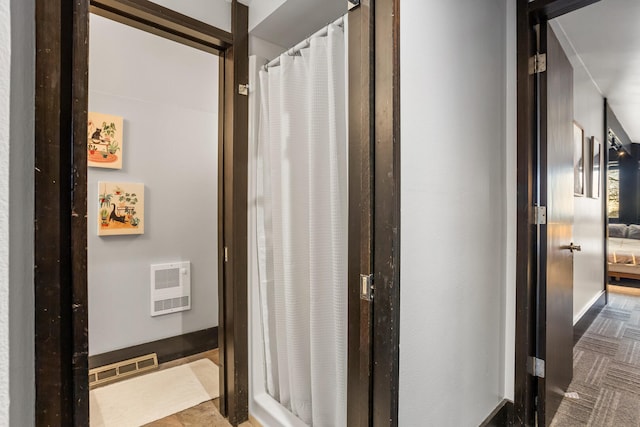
[(539, 215), (536, 367), (352, 4), (366, 287), (226, 254), (538, 63), (243, 89)]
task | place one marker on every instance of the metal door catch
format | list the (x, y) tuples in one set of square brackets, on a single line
[(366, 287)]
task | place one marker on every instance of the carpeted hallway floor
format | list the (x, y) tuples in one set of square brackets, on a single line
[(606, 368)]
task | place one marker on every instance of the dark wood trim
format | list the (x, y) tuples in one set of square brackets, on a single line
[(164, 22), (587, 318), (235, 402), (167, 349), (501, 415), (80, 318), (58, 232), (549, 9), (221, 244), (526, 249), (386, 216), (360, 212)]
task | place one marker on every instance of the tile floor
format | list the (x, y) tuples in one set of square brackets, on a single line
[(204, 414)]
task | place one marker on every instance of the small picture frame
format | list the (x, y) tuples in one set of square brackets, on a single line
[(578, 160), (104, 141), (595, 167), (120, 208)]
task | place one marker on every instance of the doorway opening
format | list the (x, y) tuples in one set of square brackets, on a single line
[(64, 212), (152, 235), (567, 328)]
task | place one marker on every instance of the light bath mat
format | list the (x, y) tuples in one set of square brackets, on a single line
[(150, 397)]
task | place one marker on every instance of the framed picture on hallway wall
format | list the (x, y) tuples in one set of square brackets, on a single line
[(578, 160), (595, 167)]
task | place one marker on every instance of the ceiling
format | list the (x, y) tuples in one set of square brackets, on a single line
[(294, 20), (606, 36)]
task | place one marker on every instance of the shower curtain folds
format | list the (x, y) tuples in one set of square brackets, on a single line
[(302, 230)]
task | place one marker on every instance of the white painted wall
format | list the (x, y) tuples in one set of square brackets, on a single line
[(168, 96), (288, 22), (510, 176), (212, 12), (17, 74), (263, 49), (453, 211), (259, 10), (588, 265), (5, 73)]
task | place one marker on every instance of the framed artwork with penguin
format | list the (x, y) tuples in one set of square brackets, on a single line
[(120, 208), (104, 141)]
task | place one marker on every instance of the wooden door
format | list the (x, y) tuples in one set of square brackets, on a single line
[(555, 298)]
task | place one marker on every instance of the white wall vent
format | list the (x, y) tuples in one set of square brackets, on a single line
[(170, 288)]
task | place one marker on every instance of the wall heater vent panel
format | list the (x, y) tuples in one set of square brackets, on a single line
[(170, 288)]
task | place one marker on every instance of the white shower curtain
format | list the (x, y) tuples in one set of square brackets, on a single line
[(302, 230)]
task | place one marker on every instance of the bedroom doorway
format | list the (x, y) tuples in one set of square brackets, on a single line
[(622, 201), (545, 393)]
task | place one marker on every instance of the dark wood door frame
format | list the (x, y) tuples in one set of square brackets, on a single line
[(527, 251), (374, 212), (360, 239), (386, 213), (60, 244)]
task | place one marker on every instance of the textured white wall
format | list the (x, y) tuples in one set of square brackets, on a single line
[(5, 72), (453, 211), (16, 213), (510, 176), (588, 222), (21, 200), (168, 96)]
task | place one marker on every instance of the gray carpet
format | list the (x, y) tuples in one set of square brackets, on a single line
[(606, 369)]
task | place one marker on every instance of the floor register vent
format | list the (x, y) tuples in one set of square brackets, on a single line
[(170, 288), (119, 370)]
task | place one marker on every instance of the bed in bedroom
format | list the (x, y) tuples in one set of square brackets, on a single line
[(624, 251)]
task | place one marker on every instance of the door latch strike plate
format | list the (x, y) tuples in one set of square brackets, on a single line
[(366, 287), (226, 254), (243, 89)]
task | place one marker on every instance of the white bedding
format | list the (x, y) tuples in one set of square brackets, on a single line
[(624, 256), (624, 251)]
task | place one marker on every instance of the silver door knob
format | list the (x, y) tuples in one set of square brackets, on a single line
[(574, 248)]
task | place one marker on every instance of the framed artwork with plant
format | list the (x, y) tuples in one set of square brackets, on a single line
[(104, 141), (120, 208)]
